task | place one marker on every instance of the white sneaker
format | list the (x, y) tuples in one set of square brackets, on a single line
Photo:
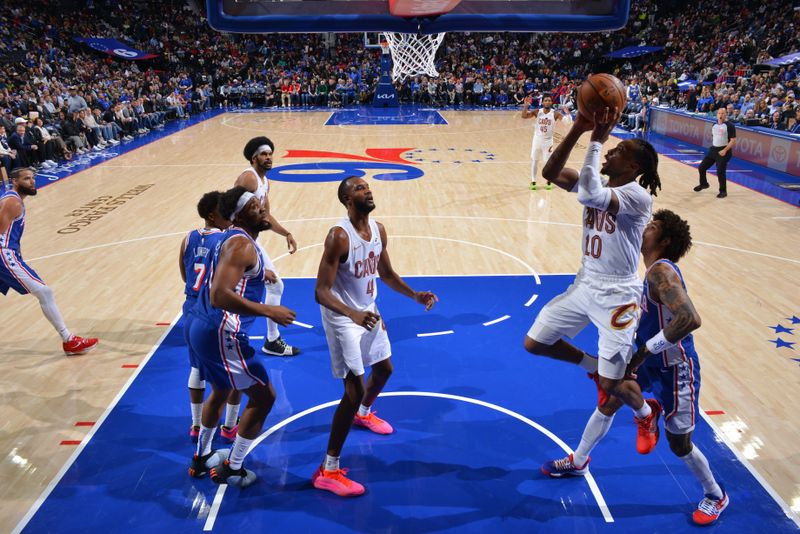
[(113, 142), (98, 148)]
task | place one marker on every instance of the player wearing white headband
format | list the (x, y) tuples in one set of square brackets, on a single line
[(259, 152)]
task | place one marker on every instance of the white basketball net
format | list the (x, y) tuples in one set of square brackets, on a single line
[(413, 54)]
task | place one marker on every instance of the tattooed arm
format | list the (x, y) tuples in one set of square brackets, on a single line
[(667, 289)]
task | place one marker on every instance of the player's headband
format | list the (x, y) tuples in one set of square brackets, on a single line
[(262, 148), (243, 200)]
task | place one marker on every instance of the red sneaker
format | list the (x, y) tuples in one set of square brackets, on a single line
[(602, 396), (336, 482), (647, 428), (709, 509), (374, 423), (78, 345)]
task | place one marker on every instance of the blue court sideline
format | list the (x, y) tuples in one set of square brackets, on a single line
[(472, 412)]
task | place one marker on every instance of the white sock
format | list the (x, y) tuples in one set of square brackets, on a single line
[(643, 412), (239, 451), (534, 170), (331, 463), (48, 303), (197, 412), (274, 294), (204, 440), (588, 363), (698, 465), (231, 414), (363, 411), (596, 429)]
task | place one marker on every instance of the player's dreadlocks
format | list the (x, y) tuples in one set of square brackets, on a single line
[(647, 159)]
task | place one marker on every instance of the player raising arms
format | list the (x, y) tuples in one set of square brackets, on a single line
[(666, 362), (354, 256), (259, 151), (542, 146), (607, 289), (15, 273)]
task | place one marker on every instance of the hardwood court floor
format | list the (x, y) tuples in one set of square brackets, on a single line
[(116, 276)]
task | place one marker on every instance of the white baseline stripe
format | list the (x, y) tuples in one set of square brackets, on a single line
[(100, 420), (442, 333), (256, 337), (772, 493), (212, 514), (785, 217), (495, 321), (304, 325)]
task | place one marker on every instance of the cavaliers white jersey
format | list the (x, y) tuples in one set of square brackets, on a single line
[(611, 243), (263, 185), (545, 125), (355, 278)]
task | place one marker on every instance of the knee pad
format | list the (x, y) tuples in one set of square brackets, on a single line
[(194, 379)]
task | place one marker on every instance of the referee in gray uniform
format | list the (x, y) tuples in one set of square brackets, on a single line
[(723, 135)]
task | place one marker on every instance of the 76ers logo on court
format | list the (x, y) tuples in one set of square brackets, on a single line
[(386, 160)]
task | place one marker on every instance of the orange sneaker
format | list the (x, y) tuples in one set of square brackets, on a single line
[(78, 345), (709, 509), (602, 396), (647, 428), (336, 482), (374, 423)]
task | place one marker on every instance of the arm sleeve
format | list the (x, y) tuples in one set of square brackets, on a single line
[(731, 130), (591, 192)]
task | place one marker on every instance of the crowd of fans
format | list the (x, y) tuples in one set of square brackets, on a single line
[(59, 98)]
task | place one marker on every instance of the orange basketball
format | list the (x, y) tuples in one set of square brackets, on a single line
[(598, 92)]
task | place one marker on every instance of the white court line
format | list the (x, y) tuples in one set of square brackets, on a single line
[(785, 218), (598, 496), (483, 219), (442, 333), (531, 300), (495, 321), (85, 441), (255, 337), (212, 513), (772, 493), (304, 325)]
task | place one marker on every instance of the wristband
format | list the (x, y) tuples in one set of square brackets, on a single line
[(658, 343)]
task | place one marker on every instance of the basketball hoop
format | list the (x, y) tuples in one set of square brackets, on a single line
[(412, 54)]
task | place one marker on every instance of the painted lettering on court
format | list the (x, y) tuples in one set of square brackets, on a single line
[(99, 207), (388, 162)]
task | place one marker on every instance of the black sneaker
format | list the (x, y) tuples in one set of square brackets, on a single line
[(722, 194), (279, 347), (700, 187), (223, 474), (202, 464)]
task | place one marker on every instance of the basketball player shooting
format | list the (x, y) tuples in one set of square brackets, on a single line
[(607, 289)]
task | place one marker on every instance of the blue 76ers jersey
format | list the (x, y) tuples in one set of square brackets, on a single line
[(200, 246), (13, 235), (655, 317), (251, 286)]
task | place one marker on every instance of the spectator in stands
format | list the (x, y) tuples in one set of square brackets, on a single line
[(8, 155), (53, 146), (73, 132), (776, 121), (795, 127), (22, 140), (75, 102)]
